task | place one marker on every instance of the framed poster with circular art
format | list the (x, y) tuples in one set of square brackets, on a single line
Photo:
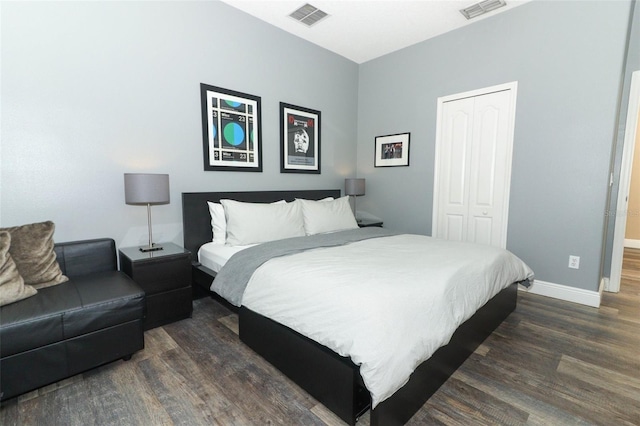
[(230, 130)]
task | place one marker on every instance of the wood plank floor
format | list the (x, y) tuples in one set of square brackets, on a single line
[(549, 363)]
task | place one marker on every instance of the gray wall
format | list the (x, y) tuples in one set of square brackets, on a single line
[(91, 90), (567, 58)]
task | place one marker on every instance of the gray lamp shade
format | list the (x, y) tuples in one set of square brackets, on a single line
[(354, 186), (146, 188)]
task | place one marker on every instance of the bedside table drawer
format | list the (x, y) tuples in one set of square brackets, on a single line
[(157, 277), (168, 307)]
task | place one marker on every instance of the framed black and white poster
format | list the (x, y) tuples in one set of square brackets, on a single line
[(392, 150), (230, 130), (299, 139)]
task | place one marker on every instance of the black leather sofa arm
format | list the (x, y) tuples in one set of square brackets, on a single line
[(79, 258)]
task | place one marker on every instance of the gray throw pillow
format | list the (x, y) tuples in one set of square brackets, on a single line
[(12, 287), (32, 251)]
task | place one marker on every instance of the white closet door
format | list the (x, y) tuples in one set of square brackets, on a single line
[(488, 168), (454, 176), (473, 168)]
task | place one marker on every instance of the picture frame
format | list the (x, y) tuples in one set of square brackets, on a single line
[(392, 150), (231, 130), (300, 139)]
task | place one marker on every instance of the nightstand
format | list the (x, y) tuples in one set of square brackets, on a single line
[(165, 276), (368, 222)]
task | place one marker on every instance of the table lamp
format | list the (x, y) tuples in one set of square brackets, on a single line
[(146, 189), (355, 187)]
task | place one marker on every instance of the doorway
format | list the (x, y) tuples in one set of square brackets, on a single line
[(474, 144), (622, 207)]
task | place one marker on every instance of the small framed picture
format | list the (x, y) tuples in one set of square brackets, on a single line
[(299, 139), (392, 150), (230, 130)]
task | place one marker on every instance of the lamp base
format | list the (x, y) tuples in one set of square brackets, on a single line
[(152, 247)]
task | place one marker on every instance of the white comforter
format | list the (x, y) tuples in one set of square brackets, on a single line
[(388, 303)]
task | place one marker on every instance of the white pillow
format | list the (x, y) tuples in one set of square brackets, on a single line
[(252, 223), (218, 222), (327, 216)]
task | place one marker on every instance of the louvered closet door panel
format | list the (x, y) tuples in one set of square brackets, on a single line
[(488, 168), (453, 169)]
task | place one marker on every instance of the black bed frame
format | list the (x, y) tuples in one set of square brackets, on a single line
[(334, 380)]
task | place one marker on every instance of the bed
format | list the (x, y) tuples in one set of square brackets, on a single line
[(333, 379)]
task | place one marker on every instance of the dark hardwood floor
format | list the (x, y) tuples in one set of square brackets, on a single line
[(549, 363)]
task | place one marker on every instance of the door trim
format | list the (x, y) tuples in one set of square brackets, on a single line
[(624, 184), (513, 88)]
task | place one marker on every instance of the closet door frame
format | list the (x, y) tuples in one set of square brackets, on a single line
[(512, 87)]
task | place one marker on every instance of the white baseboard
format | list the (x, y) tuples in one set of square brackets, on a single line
[(632, 243), (564, 292)]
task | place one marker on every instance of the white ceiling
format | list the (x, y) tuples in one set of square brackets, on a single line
[(362, 30)]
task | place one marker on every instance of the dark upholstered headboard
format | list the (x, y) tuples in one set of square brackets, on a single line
[(196, 220)]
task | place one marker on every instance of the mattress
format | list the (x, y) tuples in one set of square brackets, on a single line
[(214, 255)]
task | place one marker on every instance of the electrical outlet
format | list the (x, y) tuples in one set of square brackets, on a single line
[(574, 262)]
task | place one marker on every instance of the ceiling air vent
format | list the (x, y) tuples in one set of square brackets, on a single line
[(481, 8), (308, 14)]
